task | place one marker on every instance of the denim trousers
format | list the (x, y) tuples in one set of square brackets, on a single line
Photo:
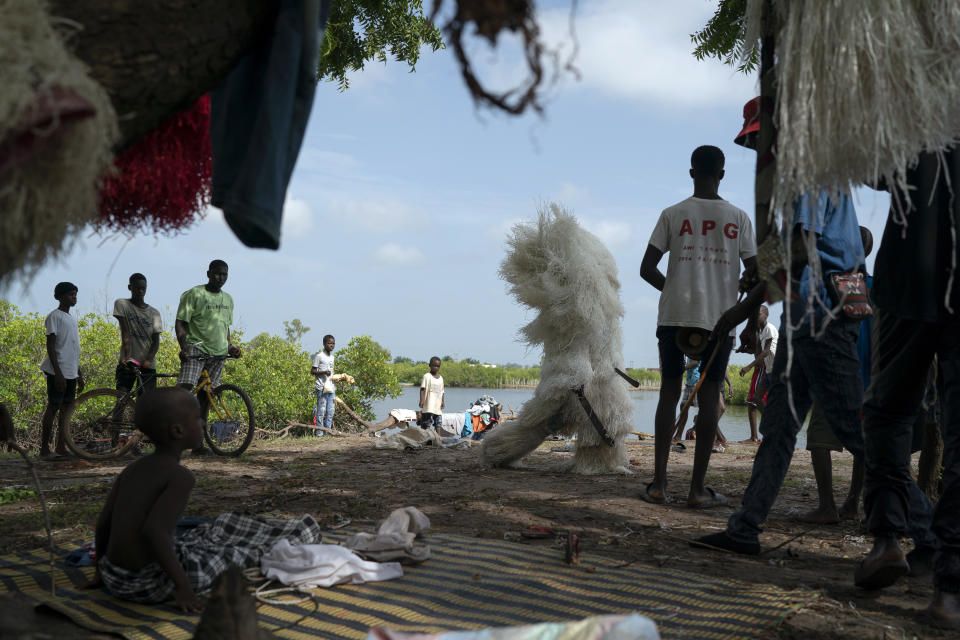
[(902, 353), (827, 369), (323, 414)]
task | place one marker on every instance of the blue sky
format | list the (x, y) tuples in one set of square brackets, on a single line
[(404, 192)]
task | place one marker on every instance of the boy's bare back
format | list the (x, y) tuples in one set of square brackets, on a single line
[(148, 496), (137, 524)]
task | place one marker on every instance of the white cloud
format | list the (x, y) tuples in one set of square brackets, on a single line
[(297, 217), (613, 233), (379, 215), (641, 50), (399, 256)]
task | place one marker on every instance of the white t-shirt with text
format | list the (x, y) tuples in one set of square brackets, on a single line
[(705, 241), (66, 344)]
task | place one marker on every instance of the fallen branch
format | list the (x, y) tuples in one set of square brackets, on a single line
[(291, 425)]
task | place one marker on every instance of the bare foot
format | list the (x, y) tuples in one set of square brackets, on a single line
[(820, 515), (944, 610), (749, 441)]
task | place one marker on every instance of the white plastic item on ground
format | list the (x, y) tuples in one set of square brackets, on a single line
[(404, 415), (322, 565), (628, 627), (395, 539)]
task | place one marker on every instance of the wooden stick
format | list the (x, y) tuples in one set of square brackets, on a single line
[(633, 381)]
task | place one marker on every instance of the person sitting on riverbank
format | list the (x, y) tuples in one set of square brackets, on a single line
[(139, 557), (706, 238)]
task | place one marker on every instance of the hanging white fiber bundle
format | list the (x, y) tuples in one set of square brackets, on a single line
[(862, 88), (57, 127), (565, 273)]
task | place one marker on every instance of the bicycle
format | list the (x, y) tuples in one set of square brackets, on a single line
[(100, 424)]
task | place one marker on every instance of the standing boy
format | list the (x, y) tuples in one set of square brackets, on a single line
[(140, 328), (762, 365), (61, 367), (431, 396), (203, 331), (322, 370), (706, 238)]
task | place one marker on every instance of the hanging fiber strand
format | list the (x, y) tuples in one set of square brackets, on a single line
[(57, 127), (862, 88)]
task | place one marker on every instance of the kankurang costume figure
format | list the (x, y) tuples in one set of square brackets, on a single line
[(566, 274)]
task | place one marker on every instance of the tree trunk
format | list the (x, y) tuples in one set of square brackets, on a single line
[(157, 58)]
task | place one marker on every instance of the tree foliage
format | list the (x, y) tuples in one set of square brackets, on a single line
[(294, 330), (362, 30), (723, 37), (368, 363), (274, 372)]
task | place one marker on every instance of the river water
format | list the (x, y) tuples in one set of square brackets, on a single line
[(734, 422)]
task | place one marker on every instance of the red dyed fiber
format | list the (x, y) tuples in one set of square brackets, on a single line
[(162, 183)]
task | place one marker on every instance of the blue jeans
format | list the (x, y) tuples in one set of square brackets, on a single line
[(828, 370), (323, 414)]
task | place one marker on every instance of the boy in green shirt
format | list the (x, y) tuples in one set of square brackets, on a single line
[(203, 331)]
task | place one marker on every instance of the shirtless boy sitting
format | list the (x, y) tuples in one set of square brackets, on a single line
[(140, 558)]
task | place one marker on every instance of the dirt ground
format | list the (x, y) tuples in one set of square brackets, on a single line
[(346, 478)]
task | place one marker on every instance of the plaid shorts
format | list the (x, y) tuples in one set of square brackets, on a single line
[(207, 551), (191, 367)]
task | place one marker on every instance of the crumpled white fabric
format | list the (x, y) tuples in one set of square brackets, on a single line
[(395, 539), (611, 627), (322, 565)]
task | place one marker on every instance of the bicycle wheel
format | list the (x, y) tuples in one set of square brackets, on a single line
[(229, 427), (99, 425)]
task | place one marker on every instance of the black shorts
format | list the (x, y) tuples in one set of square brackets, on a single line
[(60, 398), (672, 359), (126, 378)]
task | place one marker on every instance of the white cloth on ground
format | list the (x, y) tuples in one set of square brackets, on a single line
[(612, 627), (451, 424), (322, 565), (395, 539), (404, 415)]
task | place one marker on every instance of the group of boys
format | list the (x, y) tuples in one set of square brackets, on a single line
[(203, 321), (819, 363)]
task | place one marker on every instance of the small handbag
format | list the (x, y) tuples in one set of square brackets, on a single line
[(849, 292)]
